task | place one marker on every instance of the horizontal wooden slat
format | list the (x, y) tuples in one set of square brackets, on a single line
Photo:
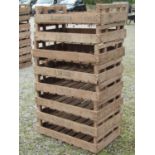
[(26, 64), (115, 120), (24, 9), (67, 74), (85, 113), (25, 58), (62, 90), (111, 55), (113, 35), (24, 50), (64, 55), (110, 73), (66, 37), (25, 42), (78, 127), (69, 139), (69, 18), (110, 108), (110, 91), (108, 140), (24, 18), (24, 27), (24, 35), (108, 18)]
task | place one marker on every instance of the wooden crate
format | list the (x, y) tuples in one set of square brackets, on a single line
[(78, 74), (24, 36)]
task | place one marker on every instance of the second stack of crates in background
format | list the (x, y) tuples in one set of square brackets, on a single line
[(79, 74), (25, 58)]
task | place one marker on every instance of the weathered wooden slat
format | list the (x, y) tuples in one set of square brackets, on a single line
[(25, 42), (111, 55), (113, 35), (67, 74), (116, 71), (60, 106), (24, 9), (64, 55), (24, 18), (78, 127), (24, 27), (110, 108), (24, 35), (69, 18), (26, 64), (25, 58), (62, 90), (69, 139), (108, 18), (24, 50), (115, 120), (108, 140), (110, 91), (66, 37)]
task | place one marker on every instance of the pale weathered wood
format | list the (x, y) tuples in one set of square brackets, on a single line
[(66, 37), (69, 139), (24, 18), (64, 55), (25, 58), (67, 123), (66, 74), (24, 27), (26, 64), (25, 42), (62, 90), (85, 113), (69, 18), (24, 35), (24, 9), (24, 50)]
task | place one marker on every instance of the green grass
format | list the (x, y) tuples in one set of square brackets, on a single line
[(32, 143)]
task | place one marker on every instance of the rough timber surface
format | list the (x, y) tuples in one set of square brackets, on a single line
[(78, 74)]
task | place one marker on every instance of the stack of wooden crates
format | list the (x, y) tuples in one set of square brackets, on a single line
[(79, 74), (24, 37)]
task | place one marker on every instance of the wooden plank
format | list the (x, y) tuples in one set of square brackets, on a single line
[(64, 55), (60, 106), (24, 50), (108, 140), (116, 71), (113, 35), (115, 120), (24, 18), (26, 64), (62, 90), (66, 37), (111, 55), (25, 58), (25, 42), (24, 35), (24, 27), (112, 17), (69, 18), (110, 91), (109, 109), (78, 127), (112, 6), (67, 74), (66, 138), (24, 9)]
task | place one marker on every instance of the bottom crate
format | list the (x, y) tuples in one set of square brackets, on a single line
[(25, 60), (78, 139)]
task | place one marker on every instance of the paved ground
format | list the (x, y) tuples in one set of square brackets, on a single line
[(32, 143)]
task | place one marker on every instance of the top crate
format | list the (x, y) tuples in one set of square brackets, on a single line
[(24, 13), (104, 14), (100, 26)]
